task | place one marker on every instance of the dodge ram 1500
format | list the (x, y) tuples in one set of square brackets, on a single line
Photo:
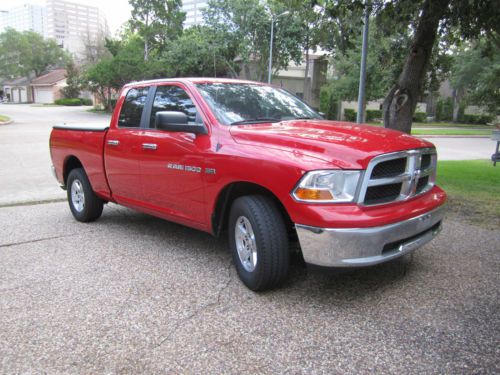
[(253, 161)]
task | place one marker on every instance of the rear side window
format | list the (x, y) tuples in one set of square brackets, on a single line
[(131, 112), (173, 98)]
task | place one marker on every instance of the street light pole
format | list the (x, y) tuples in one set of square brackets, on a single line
[(270, 68), (362, 73)]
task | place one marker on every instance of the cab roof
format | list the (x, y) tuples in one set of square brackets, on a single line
[(192, 80)]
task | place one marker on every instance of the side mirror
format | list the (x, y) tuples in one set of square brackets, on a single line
[(177, 122)]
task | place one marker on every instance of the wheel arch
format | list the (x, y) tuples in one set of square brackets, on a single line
[(71, 162), (238, 189)]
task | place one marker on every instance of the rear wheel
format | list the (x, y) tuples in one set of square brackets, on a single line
[(259, 242), (84, 204)]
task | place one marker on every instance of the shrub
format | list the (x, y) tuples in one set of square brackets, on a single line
[(350, 114), (420, 117), (328, 103), (444, 109), (373, 114), (86, 101), (68, 102), (476, 119)]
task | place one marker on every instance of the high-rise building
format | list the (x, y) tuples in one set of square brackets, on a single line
[(193, 10), (27, 17), (73, 25)]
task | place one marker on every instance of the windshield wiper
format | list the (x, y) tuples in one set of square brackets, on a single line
[(304, 118), (255, 120)]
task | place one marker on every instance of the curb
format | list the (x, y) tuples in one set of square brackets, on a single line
[(451, 136)]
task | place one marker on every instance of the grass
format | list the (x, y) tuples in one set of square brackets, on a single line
[(4, 118), (99, 111), (417, 131), (448, 125), (473, 188), (445, 128)]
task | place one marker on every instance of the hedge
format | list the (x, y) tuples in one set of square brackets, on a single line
[(420, 117), (476, 119), (373, 114), (86, 101), (350, 114), (68, 102)]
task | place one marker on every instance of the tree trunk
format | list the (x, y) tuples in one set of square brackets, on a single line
[(401, 101)]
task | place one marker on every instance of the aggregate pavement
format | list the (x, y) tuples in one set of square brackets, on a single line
[(132, 294)]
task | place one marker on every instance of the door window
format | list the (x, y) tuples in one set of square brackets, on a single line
[(131, 112), (173, 98)]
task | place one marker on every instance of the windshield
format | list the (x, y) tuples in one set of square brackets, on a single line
[(245, 103)]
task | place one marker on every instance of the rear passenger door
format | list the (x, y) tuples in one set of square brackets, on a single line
[(123, 149), (173, 163)]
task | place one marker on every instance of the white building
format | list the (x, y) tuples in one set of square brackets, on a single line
[(193, 10), (27, 17), (72, 25)]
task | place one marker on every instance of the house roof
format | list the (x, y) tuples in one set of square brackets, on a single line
[(50, 78), (21, 81)]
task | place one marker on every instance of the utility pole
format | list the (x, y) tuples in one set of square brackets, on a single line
[(362, 72)]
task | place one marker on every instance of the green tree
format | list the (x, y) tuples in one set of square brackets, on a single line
[(74, 86), (125, 63), (198, 52), (157, 21), (431, 22), (245, 25), (476, 75), (26, 53)]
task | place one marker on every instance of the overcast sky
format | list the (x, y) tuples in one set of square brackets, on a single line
[(116, 11)]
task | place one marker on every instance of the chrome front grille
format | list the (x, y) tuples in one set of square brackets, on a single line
[(398, 176)]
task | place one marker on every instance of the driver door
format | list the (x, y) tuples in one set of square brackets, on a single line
[(172, 163)]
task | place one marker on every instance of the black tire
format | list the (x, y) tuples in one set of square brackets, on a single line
[(271, 240), (92, 205)]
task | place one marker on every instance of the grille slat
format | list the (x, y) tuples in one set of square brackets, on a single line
[(382, 193), (398, 176), (389, 168), (426, 161)]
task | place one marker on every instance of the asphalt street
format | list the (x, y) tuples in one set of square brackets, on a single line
[(134, 294), (24, 150)]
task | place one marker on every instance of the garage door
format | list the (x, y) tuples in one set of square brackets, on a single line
[(44, 95)]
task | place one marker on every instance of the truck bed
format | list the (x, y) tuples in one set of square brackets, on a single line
[(83, 142)]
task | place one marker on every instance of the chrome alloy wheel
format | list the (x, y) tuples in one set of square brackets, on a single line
[(245, 243), (77, 196)]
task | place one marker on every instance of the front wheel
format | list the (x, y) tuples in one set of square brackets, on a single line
[(259, 242), (84, 204)]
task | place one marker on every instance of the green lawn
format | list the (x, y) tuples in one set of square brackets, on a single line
[(440, 125), (448, 125), (4, 118), (417, 131), (473, 188)]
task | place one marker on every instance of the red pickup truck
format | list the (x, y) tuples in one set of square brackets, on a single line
[(253, 161)]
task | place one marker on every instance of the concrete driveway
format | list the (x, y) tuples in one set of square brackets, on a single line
[(133, 294)]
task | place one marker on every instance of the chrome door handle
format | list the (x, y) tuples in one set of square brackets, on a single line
[(149, 146), (113, 142)]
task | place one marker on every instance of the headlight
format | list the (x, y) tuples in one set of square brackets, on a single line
[(327, 186)]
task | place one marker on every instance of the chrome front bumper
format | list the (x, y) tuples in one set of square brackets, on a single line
[(358, 247)]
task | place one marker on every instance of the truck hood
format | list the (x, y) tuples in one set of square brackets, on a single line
[(344, 144)]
